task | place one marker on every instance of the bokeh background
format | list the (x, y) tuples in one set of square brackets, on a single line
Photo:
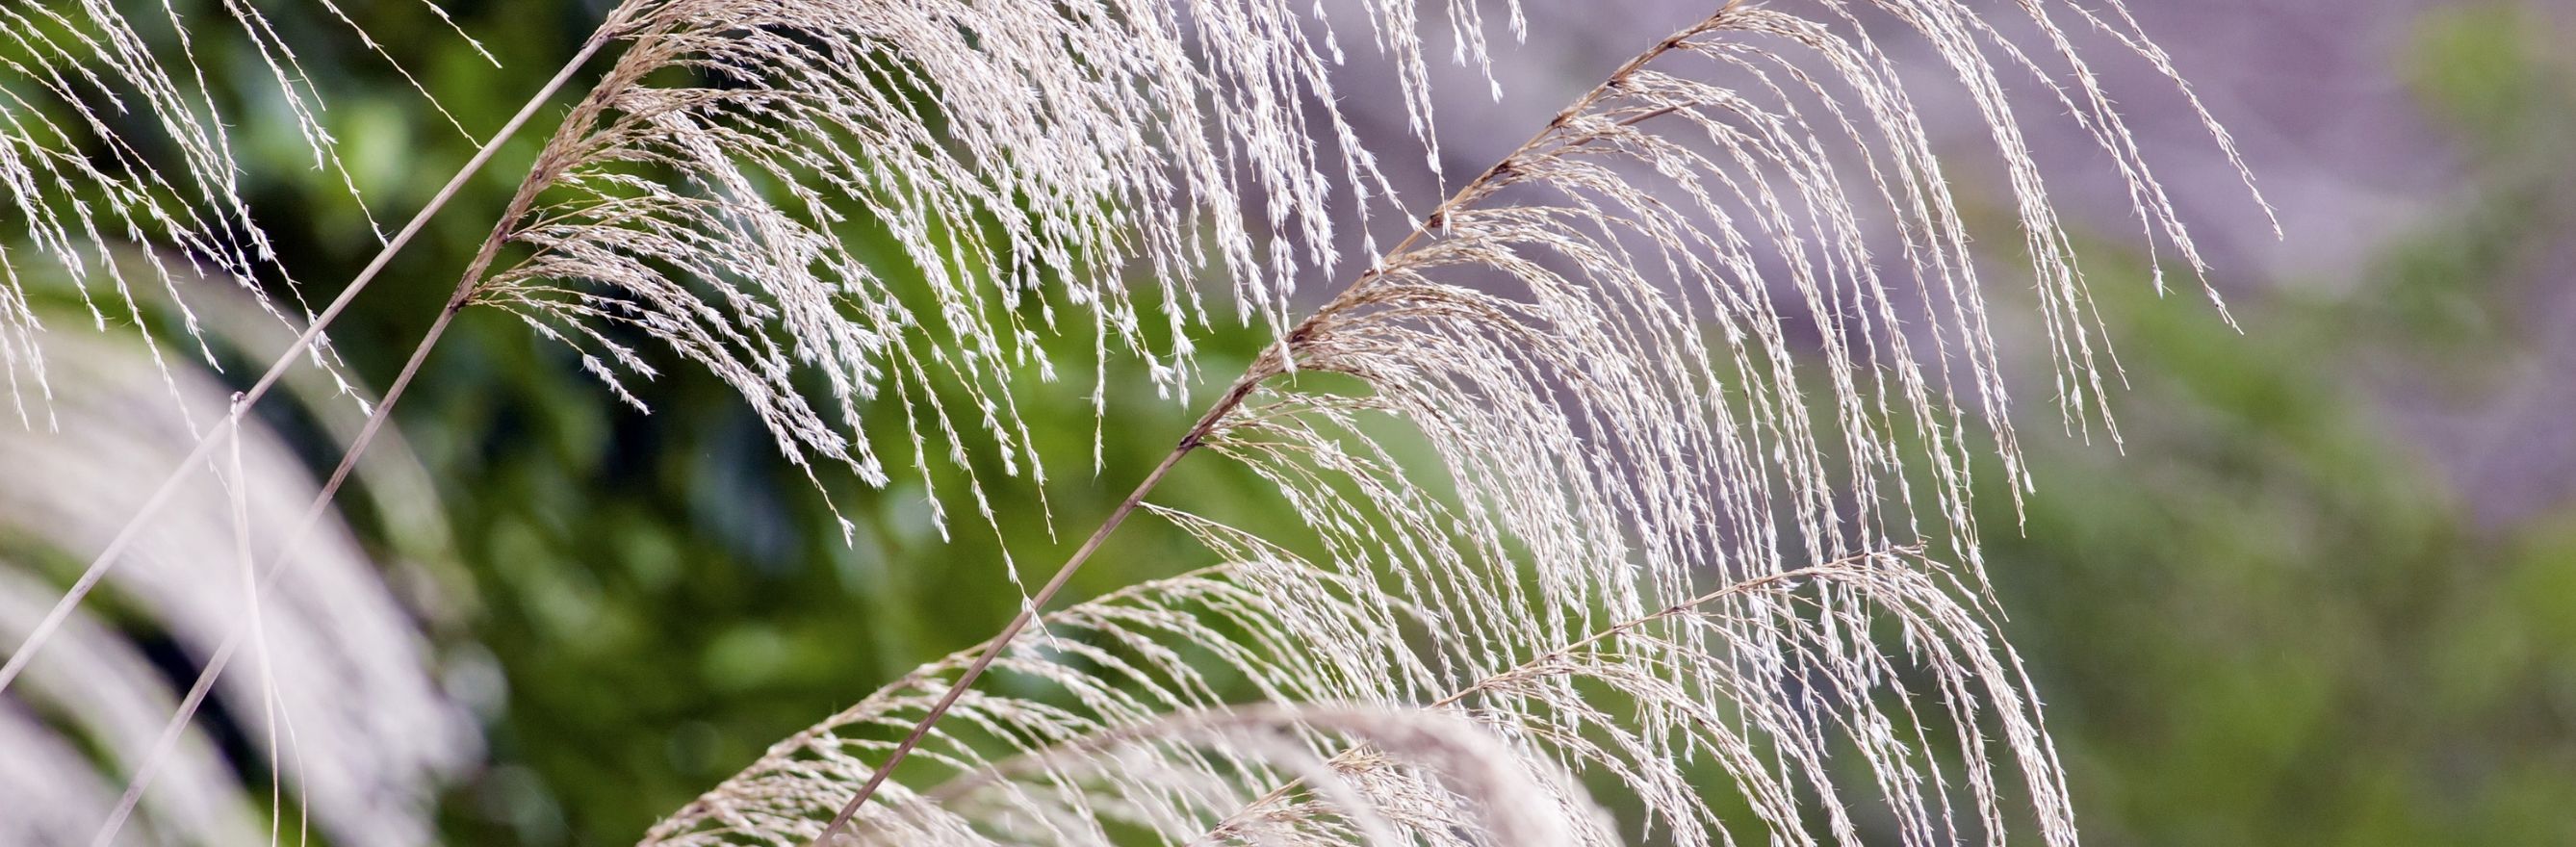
[(2324, 593)]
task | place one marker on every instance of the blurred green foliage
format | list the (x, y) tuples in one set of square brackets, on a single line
[(2270, 622), (2273, 621)]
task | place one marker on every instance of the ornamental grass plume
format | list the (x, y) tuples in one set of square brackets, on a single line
[(1644, 457)]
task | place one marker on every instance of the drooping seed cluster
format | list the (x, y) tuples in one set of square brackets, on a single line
[(84, 93), (1658, 469), (1117, 725), (725, 193)]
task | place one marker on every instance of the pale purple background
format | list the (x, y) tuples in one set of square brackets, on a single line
[(2315, 94)]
